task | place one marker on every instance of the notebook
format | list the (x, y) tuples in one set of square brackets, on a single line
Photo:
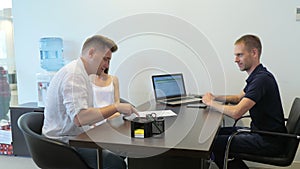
[(170, 89)]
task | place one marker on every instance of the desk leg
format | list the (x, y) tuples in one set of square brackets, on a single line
[(99, 155), (205, 164)]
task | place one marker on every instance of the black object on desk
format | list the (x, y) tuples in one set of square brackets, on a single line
[(141, 124), (18, 141), (197, 105)]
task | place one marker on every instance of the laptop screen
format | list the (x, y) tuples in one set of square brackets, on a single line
[(168, 85)]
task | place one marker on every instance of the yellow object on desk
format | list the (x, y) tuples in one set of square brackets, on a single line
[(139, 133)]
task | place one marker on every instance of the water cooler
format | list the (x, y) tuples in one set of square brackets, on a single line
[(51, 60)]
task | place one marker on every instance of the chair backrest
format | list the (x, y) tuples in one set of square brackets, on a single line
[(293, 123), (122, 100), (47, 153), (293, 127)]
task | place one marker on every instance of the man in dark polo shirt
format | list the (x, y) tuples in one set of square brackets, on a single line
[(260, 97)]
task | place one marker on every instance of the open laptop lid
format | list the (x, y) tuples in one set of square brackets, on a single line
[(168, 86)]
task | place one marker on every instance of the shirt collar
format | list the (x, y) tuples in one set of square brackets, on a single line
[(254, 72), (81, 64)]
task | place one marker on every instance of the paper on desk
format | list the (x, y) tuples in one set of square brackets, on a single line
[(159, 113)]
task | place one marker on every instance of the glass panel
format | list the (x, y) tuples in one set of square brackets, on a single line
[(8, 82)]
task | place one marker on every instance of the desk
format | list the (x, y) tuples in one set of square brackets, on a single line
[(176, 146), (19, 145)]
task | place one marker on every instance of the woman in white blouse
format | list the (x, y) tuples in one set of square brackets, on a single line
[(106, 91)]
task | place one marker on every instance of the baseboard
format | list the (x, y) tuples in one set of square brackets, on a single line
[(295, 165)]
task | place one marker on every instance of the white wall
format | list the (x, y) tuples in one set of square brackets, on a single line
[(194, 37)]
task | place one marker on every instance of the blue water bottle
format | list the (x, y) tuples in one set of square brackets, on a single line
[(51, 49)]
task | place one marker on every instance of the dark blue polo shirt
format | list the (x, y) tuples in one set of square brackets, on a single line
[(267, 113)]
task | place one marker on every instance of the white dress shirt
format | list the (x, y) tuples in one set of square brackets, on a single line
[(69, 92)]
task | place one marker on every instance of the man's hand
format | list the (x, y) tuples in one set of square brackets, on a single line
[(208, 98), (126, 109)]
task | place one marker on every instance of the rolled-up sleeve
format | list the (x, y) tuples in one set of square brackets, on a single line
[(75, 94)]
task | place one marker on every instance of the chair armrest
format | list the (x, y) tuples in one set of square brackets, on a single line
[(248, 116), (235, 122), (269, 133)]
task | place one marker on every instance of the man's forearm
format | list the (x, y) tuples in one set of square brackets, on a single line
[(233, 99), (92, 115)]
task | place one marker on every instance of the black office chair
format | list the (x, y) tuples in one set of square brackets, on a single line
[(291, 146), (47, 153), (122, 100)]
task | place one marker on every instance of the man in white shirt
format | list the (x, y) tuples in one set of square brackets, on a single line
[(69, 107)]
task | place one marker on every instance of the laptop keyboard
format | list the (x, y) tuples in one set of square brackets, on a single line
[(180, 99)]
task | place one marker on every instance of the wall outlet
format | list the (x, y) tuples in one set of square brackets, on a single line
[(298, 14)]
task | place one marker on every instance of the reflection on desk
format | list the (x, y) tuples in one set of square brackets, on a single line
[(180, 139)]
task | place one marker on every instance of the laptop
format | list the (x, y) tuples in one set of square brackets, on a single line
[(170, 89)]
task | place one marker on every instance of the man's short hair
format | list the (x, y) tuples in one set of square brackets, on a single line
[(250, 42), (99, 41)]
